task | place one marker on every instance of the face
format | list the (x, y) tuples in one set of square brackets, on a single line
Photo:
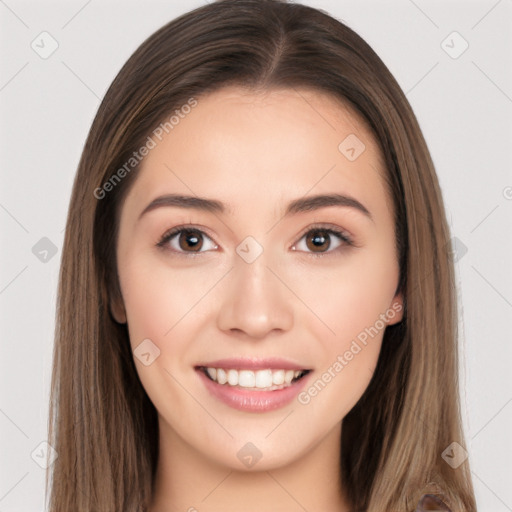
[(290, 274)]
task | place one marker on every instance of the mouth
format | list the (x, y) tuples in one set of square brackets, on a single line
[(255, 386), (267, 379)]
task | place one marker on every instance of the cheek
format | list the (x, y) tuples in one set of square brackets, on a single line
[(157, 299), (351, 299), (349, 354), (347, 296), (161, 306)]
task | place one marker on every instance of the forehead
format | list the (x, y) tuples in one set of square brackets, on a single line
[(238, 145)]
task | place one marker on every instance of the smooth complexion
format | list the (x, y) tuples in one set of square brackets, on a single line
[(256, 152)]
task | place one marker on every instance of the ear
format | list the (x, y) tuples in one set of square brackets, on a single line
[(395, 313), (117, 309)]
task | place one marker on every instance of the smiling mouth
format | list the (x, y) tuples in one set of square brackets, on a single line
[(257, 380)]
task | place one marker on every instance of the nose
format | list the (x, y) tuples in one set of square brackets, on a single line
[(255, 300)]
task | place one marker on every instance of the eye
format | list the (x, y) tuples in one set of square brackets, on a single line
[(190, 240), (186, 240), (319, 240)]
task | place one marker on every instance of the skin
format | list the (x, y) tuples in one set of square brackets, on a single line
[(255, 152)]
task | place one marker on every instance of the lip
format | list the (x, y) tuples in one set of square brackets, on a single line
[(244, 363), (253, 401)]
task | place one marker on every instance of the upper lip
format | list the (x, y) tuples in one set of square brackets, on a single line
[(244, 363)]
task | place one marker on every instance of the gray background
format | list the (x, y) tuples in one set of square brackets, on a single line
[(463, 104)]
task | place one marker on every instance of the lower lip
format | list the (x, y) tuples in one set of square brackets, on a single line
[(253, 401)]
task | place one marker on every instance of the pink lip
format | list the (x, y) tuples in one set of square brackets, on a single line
[(252, 401), (241, 363)]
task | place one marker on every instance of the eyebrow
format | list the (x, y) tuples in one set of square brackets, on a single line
[(303, 204)]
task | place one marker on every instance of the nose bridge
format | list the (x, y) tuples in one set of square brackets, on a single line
[(255, 301)]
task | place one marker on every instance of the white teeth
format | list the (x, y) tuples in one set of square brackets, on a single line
[(278, 377), (232, 377), (221, 376), (212, 372), (264, 379), (246, 378), (260, 379)]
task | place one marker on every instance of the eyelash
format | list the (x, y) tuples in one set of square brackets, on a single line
[(343, 237)]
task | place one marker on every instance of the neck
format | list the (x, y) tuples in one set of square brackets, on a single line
[(188, 481)]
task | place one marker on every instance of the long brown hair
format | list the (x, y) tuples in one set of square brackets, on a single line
[(102, 423)]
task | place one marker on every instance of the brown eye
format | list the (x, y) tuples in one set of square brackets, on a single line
[(187, 241), (321, 241), (190, 240), (318, 240)]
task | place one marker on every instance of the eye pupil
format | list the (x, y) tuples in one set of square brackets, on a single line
[(190, 239), (318, 241)]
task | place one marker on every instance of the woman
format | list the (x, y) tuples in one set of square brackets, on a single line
[(256, 301)]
